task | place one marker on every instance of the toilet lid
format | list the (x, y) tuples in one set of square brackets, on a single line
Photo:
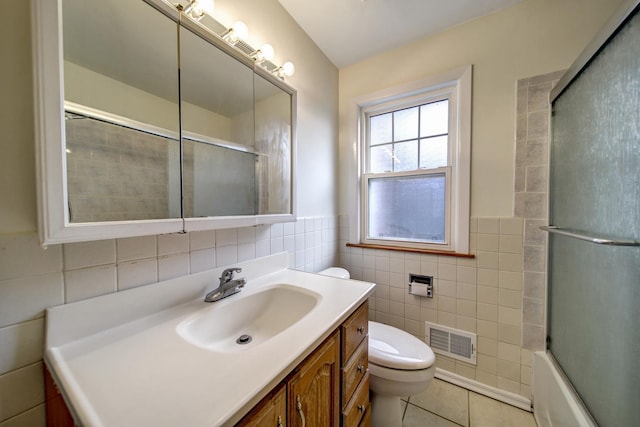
[(394, 348)]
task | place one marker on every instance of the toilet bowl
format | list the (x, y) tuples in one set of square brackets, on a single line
[(399, 365)]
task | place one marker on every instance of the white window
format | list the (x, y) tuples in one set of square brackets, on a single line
[(415, 145)]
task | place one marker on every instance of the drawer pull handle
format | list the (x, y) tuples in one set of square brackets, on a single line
[(280, 421), (361, 408), (361, 329), (299, 408), (360, 368)]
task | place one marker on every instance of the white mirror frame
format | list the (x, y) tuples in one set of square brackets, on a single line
[(54, 226)]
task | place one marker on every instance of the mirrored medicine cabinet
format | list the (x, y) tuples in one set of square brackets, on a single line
[(148, 122)]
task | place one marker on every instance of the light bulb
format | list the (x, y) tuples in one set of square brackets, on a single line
[(197, 8), (207, 6), (288, 69), (238, 31), (267, 52)]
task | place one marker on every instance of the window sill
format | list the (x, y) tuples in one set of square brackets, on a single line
[(412, 250)]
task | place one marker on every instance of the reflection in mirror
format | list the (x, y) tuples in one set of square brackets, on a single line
[(121, 111), (273, 130), (218, 131)]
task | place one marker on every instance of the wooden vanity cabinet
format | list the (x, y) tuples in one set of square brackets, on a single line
[(313, 390), (354, 334), (270, 412), (56, 410), (332, 384)]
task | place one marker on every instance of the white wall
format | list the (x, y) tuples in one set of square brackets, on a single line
[(32, 279), (530, 38)]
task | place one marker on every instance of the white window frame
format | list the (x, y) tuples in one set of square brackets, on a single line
[(455, 86)]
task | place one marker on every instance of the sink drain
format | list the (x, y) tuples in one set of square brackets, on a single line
[(244, 339)]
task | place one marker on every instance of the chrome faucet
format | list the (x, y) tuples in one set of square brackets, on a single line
[(228, 285)]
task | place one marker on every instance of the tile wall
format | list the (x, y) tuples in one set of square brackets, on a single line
[(482, 295), (32, 279), (530, 189)]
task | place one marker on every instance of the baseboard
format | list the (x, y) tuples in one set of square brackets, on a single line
[(486, 390)]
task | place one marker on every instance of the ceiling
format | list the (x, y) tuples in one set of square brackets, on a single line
[(348, 31)]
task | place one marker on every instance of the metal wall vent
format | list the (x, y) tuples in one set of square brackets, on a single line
[(451, 342)]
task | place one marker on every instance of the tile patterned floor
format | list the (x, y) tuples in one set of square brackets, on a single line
[(447, 405)]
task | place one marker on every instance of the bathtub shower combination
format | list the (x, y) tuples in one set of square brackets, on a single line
[(589, 374)]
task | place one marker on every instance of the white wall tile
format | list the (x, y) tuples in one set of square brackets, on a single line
[(229, 236), (202, 240), (489, 225), (226, 255), (466, 274), (21, 345), (510, 262), (511, 244), (510, 280), (245, 235), (202, 260), (21, 390), (132, 248), (509, 316), (488, 242), (263, 248), (34, 417), (89, 254), (173, 243), (23, 256), (447, 271), (488, 260), (172, 266), (263, 231), (277, 245), (246, 251), (277, 230), (511, 226), (137, 273), (89, 282), (288, 243), (26, 298), (289, 228)]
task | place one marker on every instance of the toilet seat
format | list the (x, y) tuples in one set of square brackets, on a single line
[(393, 348)]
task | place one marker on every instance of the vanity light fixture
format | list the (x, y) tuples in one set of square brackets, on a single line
[(196, 9), (265, 53), (285, 70), (237, 32)]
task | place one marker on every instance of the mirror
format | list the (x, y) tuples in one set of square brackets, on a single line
[(121, 112), (159, 125), (218, 130)]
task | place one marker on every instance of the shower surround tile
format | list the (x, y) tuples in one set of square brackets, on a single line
[(530, 185)]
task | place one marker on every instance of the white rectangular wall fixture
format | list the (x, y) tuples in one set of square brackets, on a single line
[(451, 342)]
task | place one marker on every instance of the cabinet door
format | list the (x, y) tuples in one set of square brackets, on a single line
[(270, 412), (314, 390)]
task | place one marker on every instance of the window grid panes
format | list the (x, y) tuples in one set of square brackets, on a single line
[(409, 138), (406, 185)]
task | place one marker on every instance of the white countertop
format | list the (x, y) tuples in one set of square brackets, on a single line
[(120, 362)]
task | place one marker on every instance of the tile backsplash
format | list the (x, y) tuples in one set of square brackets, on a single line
[(32, 279)]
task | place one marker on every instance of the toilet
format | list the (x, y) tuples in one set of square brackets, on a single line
[(400, 365)]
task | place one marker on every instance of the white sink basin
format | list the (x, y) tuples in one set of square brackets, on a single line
[(243, 321)]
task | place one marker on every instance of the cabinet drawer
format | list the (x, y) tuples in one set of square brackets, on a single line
[(358, 406), (355, 370), (354, 329), (366, 419)]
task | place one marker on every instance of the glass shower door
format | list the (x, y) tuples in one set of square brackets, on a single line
[(594, 289)]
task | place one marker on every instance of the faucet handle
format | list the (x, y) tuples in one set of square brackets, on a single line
[(228, 273)]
